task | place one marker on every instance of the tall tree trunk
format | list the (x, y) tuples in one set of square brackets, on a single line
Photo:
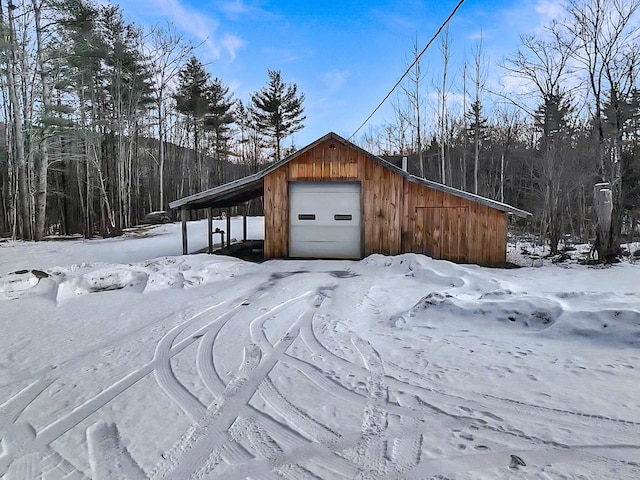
[(603, 209), (161, 152), (41, 173), (443, 106), (465, 132), (22, 203)]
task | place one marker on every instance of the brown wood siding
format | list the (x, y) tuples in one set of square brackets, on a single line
[(397, 215), (276, 214), (445, 226)]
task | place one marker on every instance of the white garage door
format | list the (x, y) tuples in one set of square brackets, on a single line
[(325, 220)]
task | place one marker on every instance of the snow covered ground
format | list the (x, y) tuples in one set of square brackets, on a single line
[(120, 358)]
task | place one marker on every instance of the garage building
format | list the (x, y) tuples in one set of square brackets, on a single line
[(332, 199)]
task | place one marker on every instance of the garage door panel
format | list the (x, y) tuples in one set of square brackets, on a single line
[(325, 220), (326, 250), (325, 234), (319, 220)]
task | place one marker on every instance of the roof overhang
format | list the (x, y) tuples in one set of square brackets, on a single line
[(227, 195)]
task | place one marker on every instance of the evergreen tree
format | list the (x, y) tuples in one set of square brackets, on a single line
[(191, 95), (192, 100), (85, 56), (477, 131), (217, 120), (278, 110), (552, 115), (250, 142)]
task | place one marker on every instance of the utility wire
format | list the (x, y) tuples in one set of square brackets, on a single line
[(444, 24)]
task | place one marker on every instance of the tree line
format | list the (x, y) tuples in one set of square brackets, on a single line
[(569, 126), (105, 122)]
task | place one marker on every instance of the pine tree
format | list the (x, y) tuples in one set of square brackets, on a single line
[(477, 131), (552, 115), (86, 52), (217, 120), (192, 100), (191, 95), (278, 110)]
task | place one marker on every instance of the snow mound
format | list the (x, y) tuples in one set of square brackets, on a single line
[(503, 310), (613, 327), (500, 307), (25, 283), (65, 283)]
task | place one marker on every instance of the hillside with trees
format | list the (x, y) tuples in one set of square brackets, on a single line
[(105, 122)]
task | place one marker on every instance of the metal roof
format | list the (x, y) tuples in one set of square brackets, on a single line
[(227, 195), (252, 186)]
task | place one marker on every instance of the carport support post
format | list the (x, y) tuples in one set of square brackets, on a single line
[(244, 223), (228, 227), (184, 231), (210, 229)]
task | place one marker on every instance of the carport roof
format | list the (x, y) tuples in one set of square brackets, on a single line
[(252, 186), (227, 195)]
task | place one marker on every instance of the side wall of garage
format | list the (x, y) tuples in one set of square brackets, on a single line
[(445, 226), (397, 215)]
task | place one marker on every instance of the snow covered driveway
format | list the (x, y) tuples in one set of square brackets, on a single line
[(392, 367)]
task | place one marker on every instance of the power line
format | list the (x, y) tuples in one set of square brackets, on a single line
[(444, 24)]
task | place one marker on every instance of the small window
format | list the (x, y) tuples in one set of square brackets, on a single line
[(306, 216), (342, 217)]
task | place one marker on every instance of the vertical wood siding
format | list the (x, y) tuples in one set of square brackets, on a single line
[(397, 215), (276, 213)]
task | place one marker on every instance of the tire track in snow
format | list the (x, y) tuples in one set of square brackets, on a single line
[(24, 468), (370, 453), (248, 433), (108, 456), (10, 410), (297, 448), (374, 417), (479, 411), (17, 434), (62, 425), (214, 425), (43, 465), (319, 377), (204, 360), (55, 466), (231, 405), (301, 421), (188, 453), (295, 472), (257, 327), (405, 451), (166, 379)]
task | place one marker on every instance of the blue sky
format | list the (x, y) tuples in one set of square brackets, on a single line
[(344, 55)]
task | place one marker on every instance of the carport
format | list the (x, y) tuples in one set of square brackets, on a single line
[(225, 196)]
